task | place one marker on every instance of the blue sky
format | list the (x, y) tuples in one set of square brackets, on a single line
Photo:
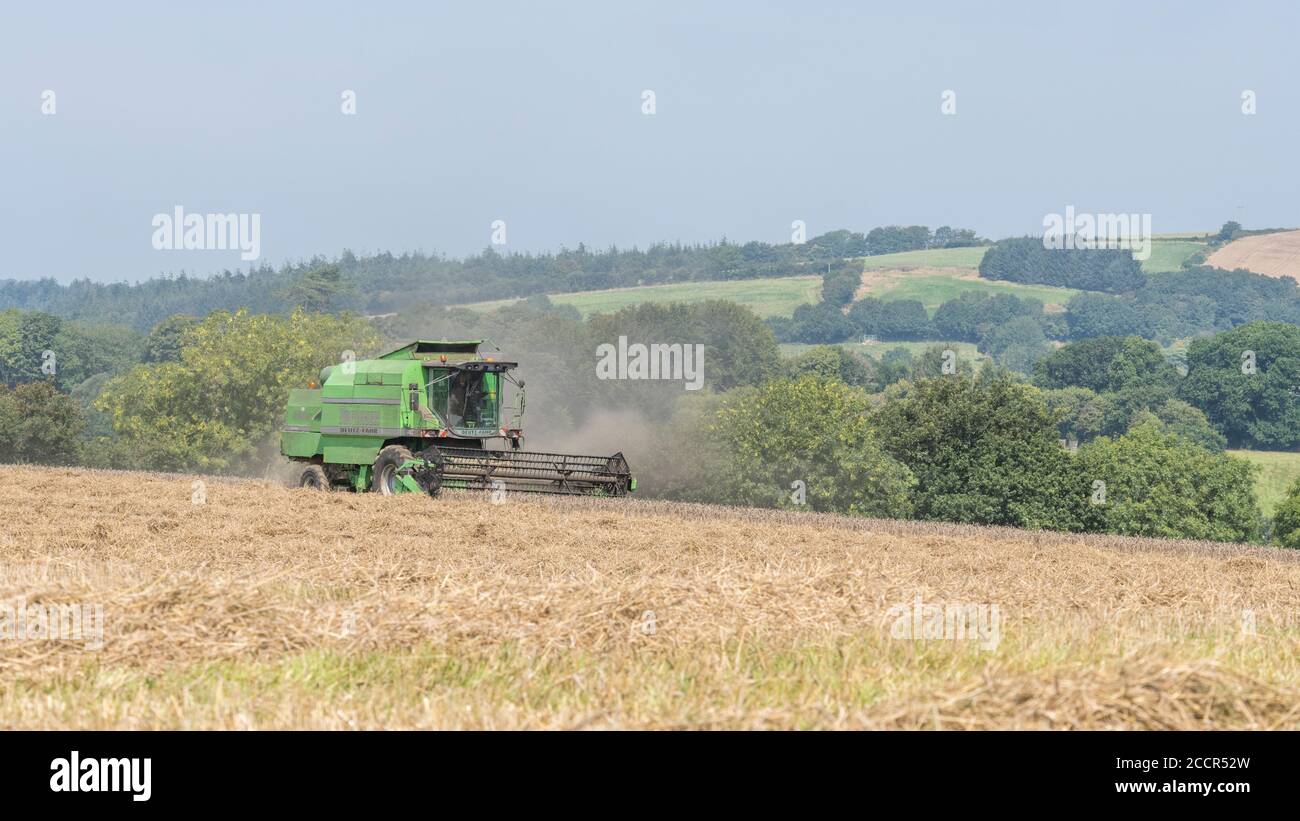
[(764, 113)]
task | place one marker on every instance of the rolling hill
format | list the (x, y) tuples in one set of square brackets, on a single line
[(932, 277)]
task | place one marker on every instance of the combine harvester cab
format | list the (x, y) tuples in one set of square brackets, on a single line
[(424, 417)]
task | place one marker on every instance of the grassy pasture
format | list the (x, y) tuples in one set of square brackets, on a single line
[(1278, 471)]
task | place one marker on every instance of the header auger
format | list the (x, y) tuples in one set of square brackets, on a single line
[(423, 417)]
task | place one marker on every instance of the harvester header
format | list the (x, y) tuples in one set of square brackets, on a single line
[(428, 415)]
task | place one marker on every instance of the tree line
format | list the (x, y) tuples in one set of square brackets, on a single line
[(921, 436), (1029, 260), (385, 282)]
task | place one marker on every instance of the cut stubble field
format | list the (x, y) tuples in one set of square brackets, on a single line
[(1276, 254), (268, 607)]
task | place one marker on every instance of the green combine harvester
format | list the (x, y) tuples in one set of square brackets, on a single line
[(424, 417)]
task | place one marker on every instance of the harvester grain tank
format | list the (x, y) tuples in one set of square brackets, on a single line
[(425, 416)]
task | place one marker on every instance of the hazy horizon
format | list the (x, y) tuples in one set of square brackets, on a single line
[(763, 115)]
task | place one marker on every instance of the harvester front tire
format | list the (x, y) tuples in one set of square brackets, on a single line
[(385, 473), (314, 478)]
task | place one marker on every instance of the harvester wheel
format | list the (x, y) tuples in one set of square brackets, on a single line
[(314, 478), (390, 459)]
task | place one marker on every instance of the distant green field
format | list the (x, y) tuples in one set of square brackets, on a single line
[(876, 350), (777, 296), (936, 258), (1279, 472), (923, 276), (935, 289), (1169, 255)]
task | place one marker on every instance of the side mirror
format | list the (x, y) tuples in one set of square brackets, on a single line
[(415, 397)]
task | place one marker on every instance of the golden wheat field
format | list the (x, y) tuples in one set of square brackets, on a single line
[(1274, 255), (243, 604)]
